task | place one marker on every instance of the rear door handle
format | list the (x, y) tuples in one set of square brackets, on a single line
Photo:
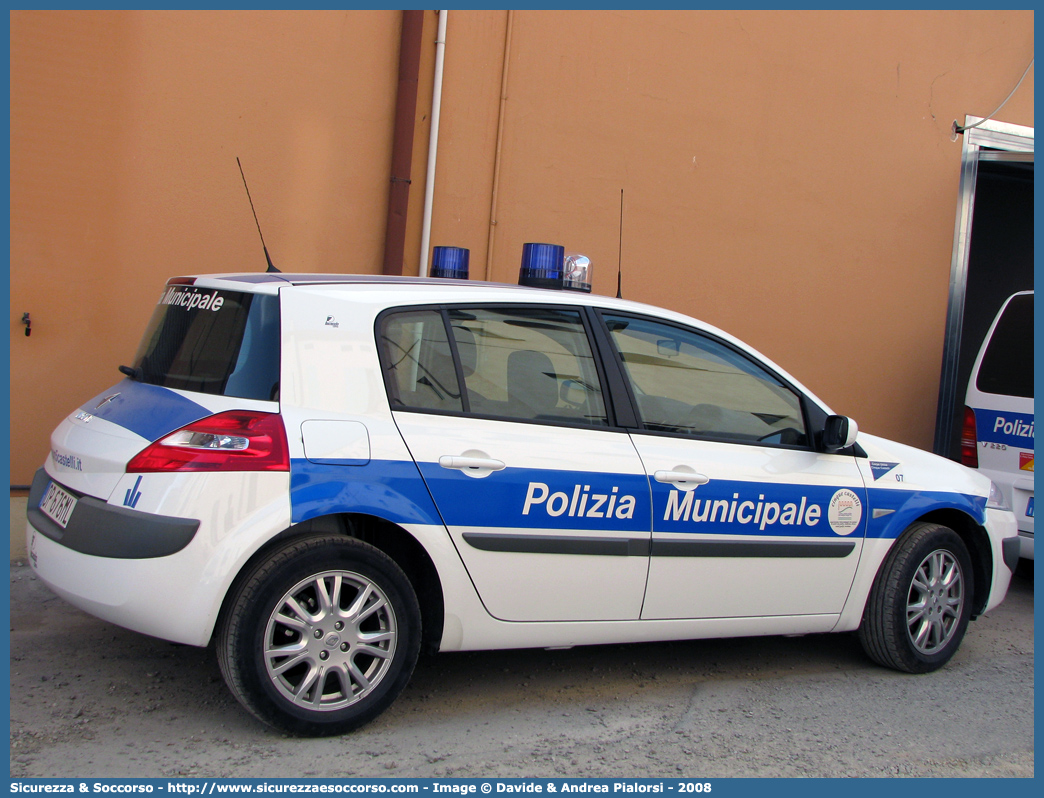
[(681, 479)]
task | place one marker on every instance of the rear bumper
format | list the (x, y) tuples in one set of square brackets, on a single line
[(136, 594), (104, 530), (176, 596)]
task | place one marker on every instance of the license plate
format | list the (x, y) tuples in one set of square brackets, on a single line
[(58, 504), (1029, 508)]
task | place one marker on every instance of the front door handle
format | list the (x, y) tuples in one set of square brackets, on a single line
[(470, 465)]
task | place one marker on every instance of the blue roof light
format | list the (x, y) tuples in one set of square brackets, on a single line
[(450, 262), (546, 266), (541, 265)]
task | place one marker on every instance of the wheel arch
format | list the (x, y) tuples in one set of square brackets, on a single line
[(390, 538), (978, 543)]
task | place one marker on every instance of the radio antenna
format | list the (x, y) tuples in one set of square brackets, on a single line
[(619, 256), (270, 268)]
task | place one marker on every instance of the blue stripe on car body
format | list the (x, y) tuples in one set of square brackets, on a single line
[(530, 498), (388, 489), (146, 410), (538, 499), (904, 507)]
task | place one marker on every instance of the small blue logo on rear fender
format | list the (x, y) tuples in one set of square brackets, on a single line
[(130, 498)]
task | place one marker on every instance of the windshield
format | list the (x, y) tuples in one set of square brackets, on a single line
[(213, 341)]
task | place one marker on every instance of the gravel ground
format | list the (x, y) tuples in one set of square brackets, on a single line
[(89, 699)]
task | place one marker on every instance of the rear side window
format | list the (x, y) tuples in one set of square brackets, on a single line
[(1007, 365), (214, 342), (418, 363), (517, 363), (529, 363)]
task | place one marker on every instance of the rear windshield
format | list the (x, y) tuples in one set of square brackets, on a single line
[(211, 341), (1007, 366)]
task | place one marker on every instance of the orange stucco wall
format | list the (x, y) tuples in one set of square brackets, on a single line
[(789, 176), (125, 128)]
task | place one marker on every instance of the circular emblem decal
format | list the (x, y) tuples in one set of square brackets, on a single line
[(845, 512)]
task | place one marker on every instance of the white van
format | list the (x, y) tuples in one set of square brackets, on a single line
[(998, 414)]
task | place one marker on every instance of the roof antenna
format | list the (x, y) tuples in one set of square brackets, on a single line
[(619, 257), (270, 268)]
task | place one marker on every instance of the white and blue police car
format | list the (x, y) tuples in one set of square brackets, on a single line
[(997, 436), (321, 474)]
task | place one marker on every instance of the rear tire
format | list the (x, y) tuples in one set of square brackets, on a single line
[(921, 601), (321, 637)]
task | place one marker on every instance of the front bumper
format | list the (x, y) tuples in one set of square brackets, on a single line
[(1004, 542), (1011, 548), (1026, 541)]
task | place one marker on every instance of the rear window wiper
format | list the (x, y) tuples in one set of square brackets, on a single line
[(135, 373)]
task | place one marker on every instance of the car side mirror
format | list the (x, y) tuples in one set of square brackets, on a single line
[(839, 432)]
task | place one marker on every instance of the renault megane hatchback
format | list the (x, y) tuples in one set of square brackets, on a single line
[(322, 474)]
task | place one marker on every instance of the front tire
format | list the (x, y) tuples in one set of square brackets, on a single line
[(921, 601), (321, 637)]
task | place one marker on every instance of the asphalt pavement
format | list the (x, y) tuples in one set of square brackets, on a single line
[(89, 699)]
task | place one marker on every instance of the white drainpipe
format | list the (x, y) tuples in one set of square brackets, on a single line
[(433, 142)]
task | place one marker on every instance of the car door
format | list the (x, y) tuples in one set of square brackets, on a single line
[(547, 503), (748, 518)]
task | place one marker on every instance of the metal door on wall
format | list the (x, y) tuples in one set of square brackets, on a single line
[(992, 256)]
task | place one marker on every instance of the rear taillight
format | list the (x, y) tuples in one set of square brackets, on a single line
[(238, 440), (969, 440)]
